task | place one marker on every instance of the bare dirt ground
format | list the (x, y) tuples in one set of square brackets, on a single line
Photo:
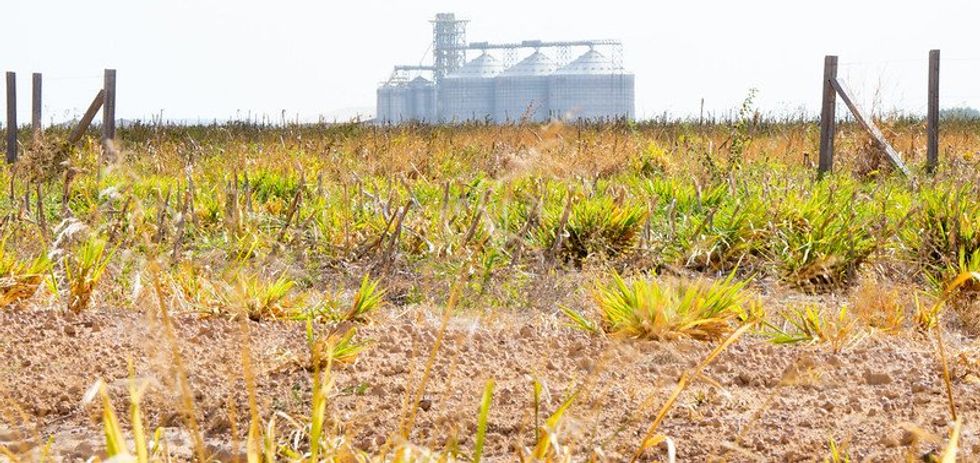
[(786, 402)]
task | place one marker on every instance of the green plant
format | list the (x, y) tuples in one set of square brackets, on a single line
[(481, 424), (84, 268), (19, 280), (368, 298), (722, 238), (116, 445), (740, 136), (822, 239), (259, 298), (945, 235), (596, 226), (837, 453), (662, 310), (341, 348), (580, 321), (810, 325)]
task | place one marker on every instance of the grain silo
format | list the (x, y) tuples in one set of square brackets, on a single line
[(541, 86), (592, 87), (421, 97), (468, 93), (522, 90), (393, 103)]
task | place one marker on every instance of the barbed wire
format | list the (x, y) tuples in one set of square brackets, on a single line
[(923, 59), (57, 77)]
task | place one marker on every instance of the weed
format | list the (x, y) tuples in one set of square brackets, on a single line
[(837, 453), (481, 426), (946, 232), (740, 137), (810, 325), (84, 269), (367, 299), (595, 227), (824, 239), (662, 310), (341, 348), (19, 280), (878, 306), (260, 298)]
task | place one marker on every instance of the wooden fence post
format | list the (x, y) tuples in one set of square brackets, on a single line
[(109, 107), (11, 117), (83, 124), (828, 115), (869, 125), (36, 105), (932, 123)]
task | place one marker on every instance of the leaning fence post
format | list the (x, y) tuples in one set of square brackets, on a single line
[(828, 115), (83, 124), (36, 105), (932, 123), (11, 117), (109, 107)]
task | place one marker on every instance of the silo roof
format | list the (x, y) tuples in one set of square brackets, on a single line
[(592, 62), (420, 82), (538, 64), (483, 66)]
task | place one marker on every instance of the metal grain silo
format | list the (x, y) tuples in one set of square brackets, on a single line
[(468, 93), (592, 87), (420, 100), (394, 104), (522, 90), (384, 110)]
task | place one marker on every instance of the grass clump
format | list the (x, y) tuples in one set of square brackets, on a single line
[(822, 241), (598, 226), (84, 269), (19, 279), (260, 298), (946, 233), (726, 235), (811, 325), (367, 298), (652, 309)]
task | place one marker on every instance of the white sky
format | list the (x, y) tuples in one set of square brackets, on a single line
[(218, 59)]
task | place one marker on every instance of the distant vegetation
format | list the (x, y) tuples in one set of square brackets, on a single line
[(965, 113)]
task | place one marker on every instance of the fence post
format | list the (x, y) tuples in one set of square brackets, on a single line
[(109, 107), (828, 115), (11, 117), (932, 123), (83, 124), (36, 105)]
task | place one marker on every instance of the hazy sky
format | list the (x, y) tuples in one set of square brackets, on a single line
[(218, 59)]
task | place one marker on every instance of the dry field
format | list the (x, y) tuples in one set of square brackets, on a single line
[(615, 292)]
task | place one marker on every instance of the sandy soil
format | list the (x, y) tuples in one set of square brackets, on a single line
[(785, 401)]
